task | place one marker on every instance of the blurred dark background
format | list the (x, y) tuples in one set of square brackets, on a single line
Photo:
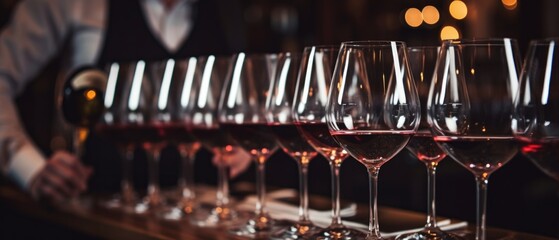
[(520, 196)]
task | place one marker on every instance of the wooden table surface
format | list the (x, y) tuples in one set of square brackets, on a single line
[(105, 223)]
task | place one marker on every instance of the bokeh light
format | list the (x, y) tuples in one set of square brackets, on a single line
[(413, 17), (458, 9), (449, 32), (90, 95), (430, 14), (510, 4)]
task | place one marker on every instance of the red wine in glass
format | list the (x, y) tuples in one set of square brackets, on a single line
[(318, 135), (373, 147), (480, 155), (125, 134), (252, 136), (543, 152), (425, 148), (292, 142), (213, 137)]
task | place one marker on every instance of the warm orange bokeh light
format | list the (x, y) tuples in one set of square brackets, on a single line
[(430, 14), (413, 17), (449, 32), (509, 4), (90, 95), (458, 9)]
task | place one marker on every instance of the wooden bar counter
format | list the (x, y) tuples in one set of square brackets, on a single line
[(101, 223)]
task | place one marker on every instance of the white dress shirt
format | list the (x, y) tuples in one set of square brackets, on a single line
[(35, 34)]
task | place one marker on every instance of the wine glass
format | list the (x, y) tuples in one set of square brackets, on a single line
[(280, 118), (206, 81), (374, 109), (168, 120), (113, 128), (149, 104), (309, 112), (144, 120), (422, 63), (535, 121), (242, 114), (470, 108)]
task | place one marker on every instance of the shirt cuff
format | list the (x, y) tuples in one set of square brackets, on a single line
[(25, 164)]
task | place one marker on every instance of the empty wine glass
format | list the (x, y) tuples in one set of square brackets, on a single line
[(535, 121), (242, 114), (206, 82), (280, 117), (309, 112), (422, 63), (374, 109), (470, 108)]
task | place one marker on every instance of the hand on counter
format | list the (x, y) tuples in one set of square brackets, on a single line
[(63, 177), (236, 159)]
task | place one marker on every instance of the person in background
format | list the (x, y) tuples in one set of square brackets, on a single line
[(93, 32)]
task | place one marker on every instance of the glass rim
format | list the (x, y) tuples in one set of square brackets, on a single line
[(544, 41), (256, 54), (326, 46), (216, 56), (478, 42), (419, 48), (372, 43)]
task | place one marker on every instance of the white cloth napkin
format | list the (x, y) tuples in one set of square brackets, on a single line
[(281, 210)]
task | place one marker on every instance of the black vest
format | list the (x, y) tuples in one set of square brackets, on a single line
[(128, 37)]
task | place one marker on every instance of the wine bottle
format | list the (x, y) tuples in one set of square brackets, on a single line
[(82, 101)]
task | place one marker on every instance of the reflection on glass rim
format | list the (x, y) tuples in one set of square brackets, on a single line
[(376, 43)]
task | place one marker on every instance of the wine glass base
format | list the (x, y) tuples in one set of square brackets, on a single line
[(118, 203), (339, 232), (180, 211), (428, 234), (259, 226), (217, 216), (150, 205), (299, 230)]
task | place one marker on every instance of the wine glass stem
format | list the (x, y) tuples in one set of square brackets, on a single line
[(335, 167), (303, 192), (153, 172), (260, 184), (431, 214), (186, 177), (126, 190), (482, 182), (374, 232), (223, 185)]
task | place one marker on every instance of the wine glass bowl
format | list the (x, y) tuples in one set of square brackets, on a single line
[(535, 121), (374, 109), (470, 108)]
